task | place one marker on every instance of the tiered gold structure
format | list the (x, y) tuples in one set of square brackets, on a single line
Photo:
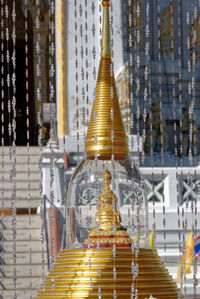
[(75, 275), (83, 273), (106, 120)]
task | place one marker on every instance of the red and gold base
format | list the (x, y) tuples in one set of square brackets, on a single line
[(106, 239)]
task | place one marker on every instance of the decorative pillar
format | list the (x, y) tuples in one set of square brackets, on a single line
[(61, 95), (56, 209), (54, 232)]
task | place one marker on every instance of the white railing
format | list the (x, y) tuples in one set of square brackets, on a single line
[(175, 185)]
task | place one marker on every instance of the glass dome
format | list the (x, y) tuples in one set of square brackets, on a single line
[(106, 199)]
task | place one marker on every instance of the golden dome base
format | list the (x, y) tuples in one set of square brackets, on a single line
[(79, 273)]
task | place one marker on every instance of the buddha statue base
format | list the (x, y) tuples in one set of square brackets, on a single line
[(106, 238)]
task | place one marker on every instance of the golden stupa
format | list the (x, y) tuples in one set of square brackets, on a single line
[(106, 116), (109, 264)]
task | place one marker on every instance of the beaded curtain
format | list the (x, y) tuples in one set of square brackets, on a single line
[(159, 95)]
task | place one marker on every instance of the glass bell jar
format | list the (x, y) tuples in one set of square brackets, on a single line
[(106, 205)]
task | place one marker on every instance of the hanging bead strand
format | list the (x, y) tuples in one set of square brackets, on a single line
[(179, 50), (193, 138), (51, 65), (146, 77), (86, 63), (2, 96), (13, 146), (82, 61), (137, 94), (39, 120), (112, 140), (51, 52), (130, 65), (130, 27), (185, 210), (137, 69), (77, 79), (28, 134), (8, 74)]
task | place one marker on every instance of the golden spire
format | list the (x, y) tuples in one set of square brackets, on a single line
[(105, 47), (106, 134)]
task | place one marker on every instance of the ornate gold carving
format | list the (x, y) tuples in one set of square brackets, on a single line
[(194, 33), (104, 242), (108, 233), (167, 30)]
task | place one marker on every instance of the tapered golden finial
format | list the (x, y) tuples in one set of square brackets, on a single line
[(105, 46), (106, 3), (106, 134)]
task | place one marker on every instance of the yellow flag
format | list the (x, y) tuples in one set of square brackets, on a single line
[(187, 259), (136, 239), (151, 238)]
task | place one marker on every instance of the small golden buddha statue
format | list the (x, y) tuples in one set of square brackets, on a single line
[(107, 216), (108, 230)]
